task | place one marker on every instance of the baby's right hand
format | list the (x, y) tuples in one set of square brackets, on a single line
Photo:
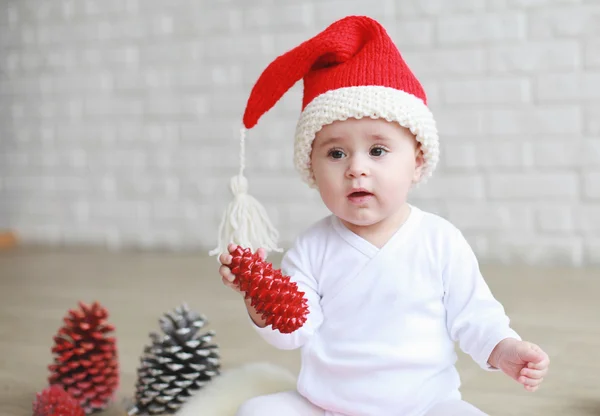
[(225, 271)]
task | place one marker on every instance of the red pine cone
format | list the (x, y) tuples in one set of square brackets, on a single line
[(85, 362), (273, 295), (54, 401)]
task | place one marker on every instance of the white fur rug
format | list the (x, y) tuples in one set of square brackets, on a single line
[(227, 392)]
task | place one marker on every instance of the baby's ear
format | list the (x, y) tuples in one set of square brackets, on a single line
[(419, 163)]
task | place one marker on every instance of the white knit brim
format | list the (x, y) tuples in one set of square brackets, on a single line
[(366, 101)]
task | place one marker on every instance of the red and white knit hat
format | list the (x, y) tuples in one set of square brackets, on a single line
[(352, 69)]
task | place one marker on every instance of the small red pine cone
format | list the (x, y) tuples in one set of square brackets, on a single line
[(86, 361), (55, 401), (273, 295)]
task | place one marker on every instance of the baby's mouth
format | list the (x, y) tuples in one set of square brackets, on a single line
[(359, 194), (360, 197)]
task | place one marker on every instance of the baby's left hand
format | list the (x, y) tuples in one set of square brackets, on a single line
[(522, 361)]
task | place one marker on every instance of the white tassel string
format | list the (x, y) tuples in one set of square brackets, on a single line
[(245, 221)]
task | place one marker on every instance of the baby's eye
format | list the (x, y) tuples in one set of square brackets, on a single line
[(336, 154), (377, 151)]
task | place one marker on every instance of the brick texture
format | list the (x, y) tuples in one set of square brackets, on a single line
[(119, 119)]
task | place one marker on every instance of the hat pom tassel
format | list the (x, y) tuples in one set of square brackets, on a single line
[(245, 221)]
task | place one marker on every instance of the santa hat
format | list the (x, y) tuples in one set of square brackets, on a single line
[(352, 69)]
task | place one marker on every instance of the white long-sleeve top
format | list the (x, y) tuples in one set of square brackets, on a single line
[(382, 324)]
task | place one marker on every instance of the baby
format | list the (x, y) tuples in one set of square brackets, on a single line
[(390, 288)]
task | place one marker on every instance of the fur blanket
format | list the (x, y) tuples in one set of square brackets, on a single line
[(226, 393)]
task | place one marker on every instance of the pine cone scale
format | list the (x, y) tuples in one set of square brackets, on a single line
[(183, 383)]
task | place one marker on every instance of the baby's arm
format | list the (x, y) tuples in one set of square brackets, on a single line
[(295, 264), (478, 322), (474, 317)]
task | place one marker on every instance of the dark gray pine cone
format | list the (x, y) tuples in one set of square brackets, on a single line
[(176, 364)]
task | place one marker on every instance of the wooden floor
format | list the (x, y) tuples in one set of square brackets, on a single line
[(558, 309)]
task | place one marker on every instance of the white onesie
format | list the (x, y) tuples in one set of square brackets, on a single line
[(379, 338)]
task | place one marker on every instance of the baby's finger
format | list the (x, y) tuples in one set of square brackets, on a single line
[(531, 388), (225, 258), (539, 365), (531, 382), (262, 253), (225, 272), (528, 372), (229, 284)]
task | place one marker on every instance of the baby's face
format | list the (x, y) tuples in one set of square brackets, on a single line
[(365, 168)]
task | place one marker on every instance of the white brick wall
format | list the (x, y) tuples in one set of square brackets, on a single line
[(119, 118)]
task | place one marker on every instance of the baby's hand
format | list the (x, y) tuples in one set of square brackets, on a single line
[(225, 271), (521, 360)]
